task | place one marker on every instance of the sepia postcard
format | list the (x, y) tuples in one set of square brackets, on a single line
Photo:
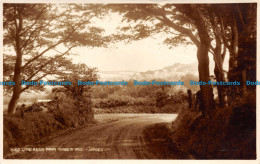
[(138, 81)]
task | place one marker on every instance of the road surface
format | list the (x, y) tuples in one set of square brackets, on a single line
[(117, 136)]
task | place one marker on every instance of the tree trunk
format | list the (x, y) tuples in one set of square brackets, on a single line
[(220, 88), (13, 103), (206, 90), (18, 66), (218, 58), (245, 18), (203, 59), (194, 12), (233, 53), (17, 87)]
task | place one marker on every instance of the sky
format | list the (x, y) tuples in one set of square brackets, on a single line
[(143, 55), (138, 56)]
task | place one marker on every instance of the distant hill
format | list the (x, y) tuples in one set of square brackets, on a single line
[(172, 72), (116, 75)]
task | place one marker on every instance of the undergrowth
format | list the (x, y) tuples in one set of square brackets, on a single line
[(19, 131), (229, 133)]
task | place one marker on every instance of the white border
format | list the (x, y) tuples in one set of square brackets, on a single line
[(5, 161)]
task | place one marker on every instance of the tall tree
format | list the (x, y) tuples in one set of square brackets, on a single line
[(245, 18), (40, 35), (186, 23), (214, 24), (240, 41), (195, 13)]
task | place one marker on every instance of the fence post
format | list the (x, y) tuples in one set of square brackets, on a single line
[(190, 98)]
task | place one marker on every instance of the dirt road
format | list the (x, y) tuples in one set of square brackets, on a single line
[(117, 136)]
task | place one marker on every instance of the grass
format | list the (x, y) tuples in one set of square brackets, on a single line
[(158, 138), (34, 126), (127, 109), (229, 133), (19, 132), (169, 108)]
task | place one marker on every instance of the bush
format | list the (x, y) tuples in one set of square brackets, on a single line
[(18, 131), (35, 125), (72, 113), (117, 101), (229, 133), (128, 109), (173, 108)]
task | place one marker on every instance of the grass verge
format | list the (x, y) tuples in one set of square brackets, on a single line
[(160, 143), (230, 133), (34, 126)]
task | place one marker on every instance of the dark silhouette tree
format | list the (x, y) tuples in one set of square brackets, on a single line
[(213, 28)]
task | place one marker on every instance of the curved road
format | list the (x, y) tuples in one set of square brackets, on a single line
[(117, 136)]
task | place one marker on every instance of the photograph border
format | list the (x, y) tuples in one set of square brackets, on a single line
[(10, 161)]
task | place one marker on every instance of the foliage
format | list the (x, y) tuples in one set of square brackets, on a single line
[(187, 78), (129, 109), (75, 73), (73, 102), (136, 99), (43, 30), (158, 139), (202, 137), (161, 98), (69, 113), (145, 20), (60, 115), (218, 27), (17, 133), (70, 107), (39, 36), (116, 100)]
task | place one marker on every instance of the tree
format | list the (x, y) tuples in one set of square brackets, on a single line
[(161, 97), (187, 20), (75, 73), (194, 12), (80, 94), (210, 27), (235, 25), (245, 19), (40, 35), (190, 77)]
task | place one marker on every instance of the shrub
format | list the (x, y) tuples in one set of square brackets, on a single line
[(33, 126), (173, 108), (71, 113), (117, 101), (228, 133), (128, 109), (62, 113)]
